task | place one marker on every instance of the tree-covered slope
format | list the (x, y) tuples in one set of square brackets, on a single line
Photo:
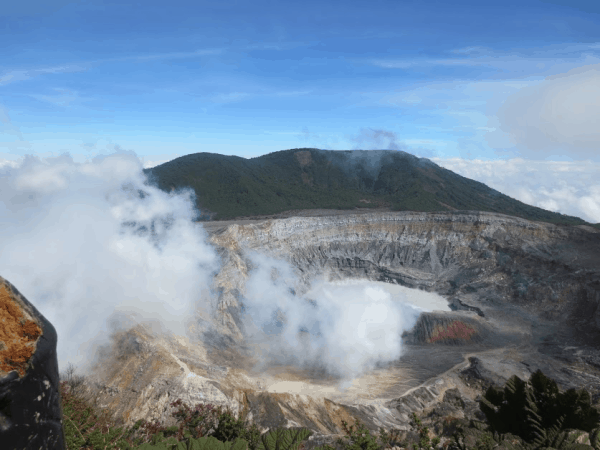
[(230, 186)]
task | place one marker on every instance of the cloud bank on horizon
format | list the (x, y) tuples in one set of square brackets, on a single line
[(570, 187)]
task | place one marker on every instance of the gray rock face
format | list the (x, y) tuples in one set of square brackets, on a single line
[(524, 296), (478, 260), (30, 411)]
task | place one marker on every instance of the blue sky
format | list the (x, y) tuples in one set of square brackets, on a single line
[(479, 87)]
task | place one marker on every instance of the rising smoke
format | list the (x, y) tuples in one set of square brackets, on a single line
[(93, 245)]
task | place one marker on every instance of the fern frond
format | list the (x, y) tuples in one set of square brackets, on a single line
[(595, 438)]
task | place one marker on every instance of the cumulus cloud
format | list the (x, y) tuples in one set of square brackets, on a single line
[(557, 117), (570, 188)]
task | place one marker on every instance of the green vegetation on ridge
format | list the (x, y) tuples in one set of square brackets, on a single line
[(229, 187)]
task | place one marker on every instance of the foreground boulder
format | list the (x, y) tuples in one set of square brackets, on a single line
[(30, 411)]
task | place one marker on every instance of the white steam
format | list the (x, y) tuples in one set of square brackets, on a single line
[(94, 247), (345, 328), (80, 242)]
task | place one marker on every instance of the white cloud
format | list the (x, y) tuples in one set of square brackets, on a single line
[(558, 116), (5, 163), (571, 188), (12, 76), (230, 97), (62, 97), (509, 64), (20, 74), (170, 55)]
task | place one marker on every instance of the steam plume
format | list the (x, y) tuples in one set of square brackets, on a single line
[(95, 247)]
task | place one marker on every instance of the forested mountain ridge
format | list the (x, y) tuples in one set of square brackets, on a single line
[(229, 187)]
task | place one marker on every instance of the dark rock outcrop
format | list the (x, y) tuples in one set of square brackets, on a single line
[(30, 409), (478, 375)]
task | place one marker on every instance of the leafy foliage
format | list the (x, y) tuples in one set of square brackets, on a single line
[(528, 408), (85, 427), (204, 443), (424, 440), (480, 437), (229, 428), (284, 439), (358, 439), (194, 422)]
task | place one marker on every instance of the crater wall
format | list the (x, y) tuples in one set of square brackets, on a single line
[(480, 261), (524, 296)]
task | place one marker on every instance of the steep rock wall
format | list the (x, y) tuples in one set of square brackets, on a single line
[(479, 260)]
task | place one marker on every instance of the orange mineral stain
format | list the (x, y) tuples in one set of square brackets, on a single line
[(18, 335), (456, 330)]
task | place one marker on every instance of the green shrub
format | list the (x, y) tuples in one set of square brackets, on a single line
[(283, 439), (229, 428), (85, 427), (357, 439), (527, 408)]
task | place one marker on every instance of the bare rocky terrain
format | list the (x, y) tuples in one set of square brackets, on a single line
[(526, 296)]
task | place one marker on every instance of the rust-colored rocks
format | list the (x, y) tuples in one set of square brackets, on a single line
[(18, 335), (30, 412)]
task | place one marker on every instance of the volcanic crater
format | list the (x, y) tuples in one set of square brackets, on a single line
[(520, 296)]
